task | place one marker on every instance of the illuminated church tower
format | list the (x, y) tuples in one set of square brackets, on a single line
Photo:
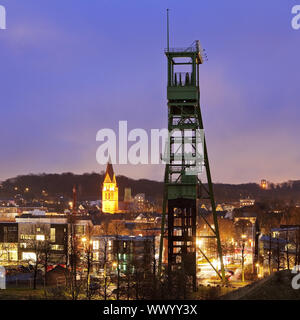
[(110, 191)]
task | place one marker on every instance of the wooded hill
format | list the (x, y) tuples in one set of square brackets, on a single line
[(89, 186)]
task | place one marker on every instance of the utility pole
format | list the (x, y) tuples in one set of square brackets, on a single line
[(243, 257)]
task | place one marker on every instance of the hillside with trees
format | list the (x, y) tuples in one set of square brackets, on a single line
[(89, 186)]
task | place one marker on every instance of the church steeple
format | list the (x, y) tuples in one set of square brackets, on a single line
[(109, 173), (110, 190)]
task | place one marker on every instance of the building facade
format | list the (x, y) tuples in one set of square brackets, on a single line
[(33, 236), (127, 252), (110, 192), (8, 242)]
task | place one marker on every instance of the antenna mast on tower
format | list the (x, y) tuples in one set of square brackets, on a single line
[(183, 190)]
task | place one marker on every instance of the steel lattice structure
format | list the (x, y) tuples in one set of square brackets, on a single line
[(183, 190)]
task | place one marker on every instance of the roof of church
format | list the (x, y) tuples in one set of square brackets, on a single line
[(109, 171)]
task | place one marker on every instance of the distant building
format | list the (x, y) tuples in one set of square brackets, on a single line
[(126, 206), (20, 240), (272, 253), (247, 202), (57, 276), (9, 213), (139, 202), (127, 195), (203, 206), (219, 208), (8, 242), (130, 252), (35, 228), (263, 184), (229, 207), (145, 218), (110, 193), (290, 233)]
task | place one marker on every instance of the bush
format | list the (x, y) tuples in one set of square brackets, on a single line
[(56, 293)]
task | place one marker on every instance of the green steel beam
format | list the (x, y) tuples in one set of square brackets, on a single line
[(184, 108), (163, 221)]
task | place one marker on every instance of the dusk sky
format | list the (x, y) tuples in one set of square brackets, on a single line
[(71, 67)]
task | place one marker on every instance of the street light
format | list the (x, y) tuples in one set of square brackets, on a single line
[(199, 242), (243, 236), (258, 270)]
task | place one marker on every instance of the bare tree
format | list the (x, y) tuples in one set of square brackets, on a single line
[(106, 283), (104, 262), (241, 228), (39, 245), (297, 248), (46, 258), (243, 259), (117, 251), (287, 251), (88, 259), (5, 249), (270, 254), (105, 289), (74, 259), (117, 229), (278, 255)]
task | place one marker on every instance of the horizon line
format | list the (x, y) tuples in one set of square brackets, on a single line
[(149, 179)]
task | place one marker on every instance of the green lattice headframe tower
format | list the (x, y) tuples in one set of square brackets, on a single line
[(183, 118), (183, 188)]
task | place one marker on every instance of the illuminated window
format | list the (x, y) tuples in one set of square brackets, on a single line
[(178, 233), (79, 229), (28, 236), (40, 237), (52, 234), (96, 245), (29, 256), (57, 247), (96, 256), (13, 255)]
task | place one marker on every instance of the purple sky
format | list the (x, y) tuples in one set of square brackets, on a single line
[(72, 67)]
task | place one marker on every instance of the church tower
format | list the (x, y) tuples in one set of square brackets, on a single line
[(110, 192)]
